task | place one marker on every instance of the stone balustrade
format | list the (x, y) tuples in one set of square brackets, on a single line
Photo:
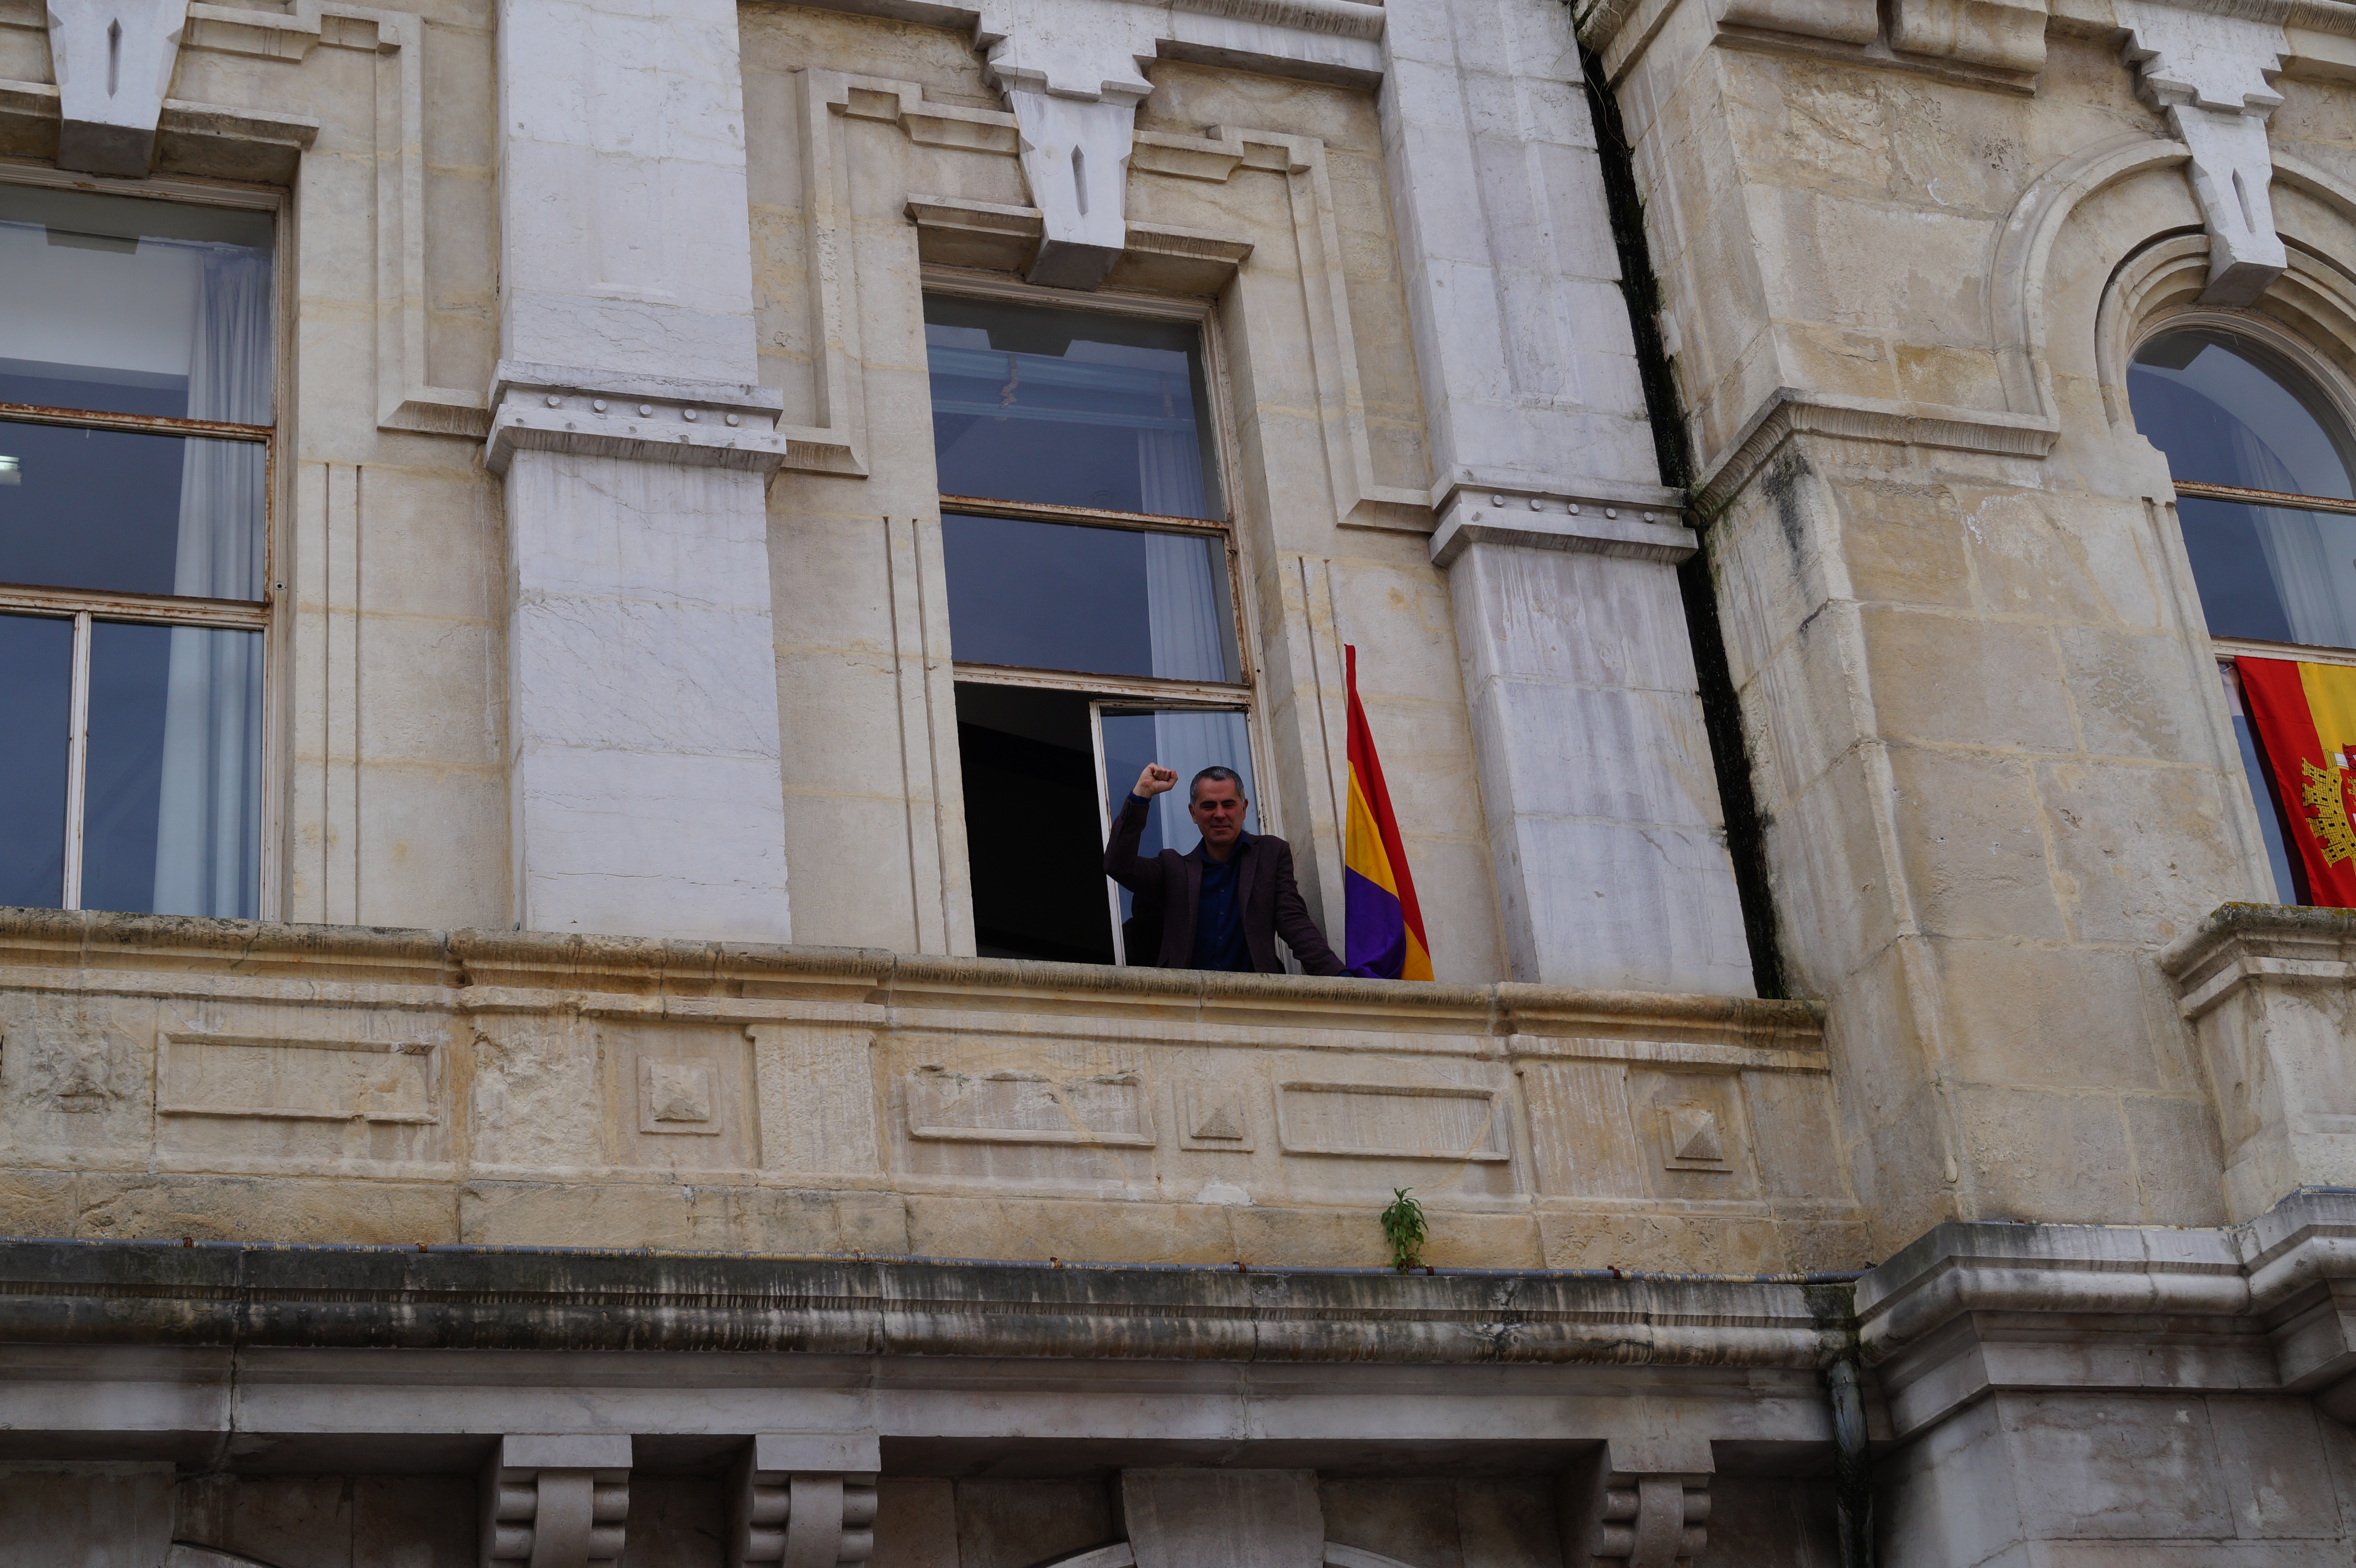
[(164, 1078)]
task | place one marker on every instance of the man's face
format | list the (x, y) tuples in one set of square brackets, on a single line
[(1218, 812)]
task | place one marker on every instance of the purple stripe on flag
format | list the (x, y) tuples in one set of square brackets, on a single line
[(1374, 933)]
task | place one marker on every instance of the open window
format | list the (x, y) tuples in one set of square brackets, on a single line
[(136, 352), (1092, 602), (2262, 462)]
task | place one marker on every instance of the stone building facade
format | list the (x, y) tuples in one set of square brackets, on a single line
[(579, 582)]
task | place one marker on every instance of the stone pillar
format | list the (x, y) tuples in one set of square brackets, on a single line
[(646, 791), (1248, 1518), (1605, 827), (558, 1501), (803, 1501), (1595, 770)]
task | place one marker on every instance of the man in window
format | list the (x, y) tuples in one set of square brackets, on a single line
[(1223, 904)]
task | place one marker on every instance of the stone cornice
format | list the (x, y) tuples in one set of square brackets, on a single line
[(2270, 1304), (246, 1296), (1788, 412), (487, 970), (2242, 942)]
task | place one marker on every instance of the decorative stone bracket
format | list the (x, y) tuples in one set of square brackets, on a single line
[(2213, 75), (797, 1501), (114, 61), (1625, 1509), (1073, 73), (556, 1501)]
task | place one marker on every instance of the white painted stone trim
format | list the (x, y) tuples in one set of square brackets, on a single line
[(544, 408), (1073, 72), (114, 61), (1596, 525), (2213, 74)]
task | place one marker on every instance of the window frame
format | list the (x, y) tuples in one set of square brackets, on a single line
[(84, 608), (2320, 373), (1131, 691), (2339, 393)]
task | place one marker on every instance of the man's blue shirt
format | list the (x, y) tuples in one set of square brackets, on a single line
[(1219, 918)]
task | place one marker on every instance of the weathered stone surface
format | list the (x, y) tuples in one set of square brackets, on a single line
[(510, 1089)]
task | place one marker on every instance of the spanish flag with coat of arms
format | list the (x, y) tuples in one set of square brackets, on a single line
[(1382, 925), (2305, 715)]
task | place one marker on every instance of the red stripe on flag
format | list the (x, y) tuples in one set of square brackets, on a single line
[(2274, 693)]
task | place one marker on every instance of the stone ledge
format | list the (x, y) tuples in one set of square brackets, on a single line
[(464, 960), (2266, 1306), (319, 1297)]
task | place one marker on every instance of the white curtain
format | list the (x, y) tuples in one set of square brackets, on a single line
[(1186, 611), (2315, 583), (209, 825)]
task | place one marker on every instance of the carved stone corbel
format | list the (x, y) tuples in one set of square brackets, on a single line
[(2214, 74), (114, 61), (1624, 1510), (558, 1501), (1073, 72), (798, 1500)]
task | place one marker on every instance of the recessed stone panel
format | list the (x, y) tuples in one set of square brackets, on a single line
[(234, 1096), (680, 1096), (1392, 1121), (1014, 1107), (994, 1110), (1692, 1127)]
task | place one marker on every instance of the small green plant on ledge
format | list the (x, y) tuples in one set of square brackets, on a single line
[(1403, 1228)]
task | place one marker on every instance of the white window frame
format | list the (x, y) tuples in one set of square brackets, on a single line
[(85, 607)]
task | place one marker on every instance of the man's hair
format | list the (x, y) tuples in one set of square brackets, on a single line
[(1216, 774)]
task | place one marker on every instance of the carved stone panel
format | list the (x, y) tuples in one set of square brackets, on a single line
[(680, 1096), (996, 1110), (1692, 1127), (1393, 1121)]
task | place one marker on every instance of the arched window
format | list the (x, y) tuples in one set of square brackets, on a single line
[(2262, 463)]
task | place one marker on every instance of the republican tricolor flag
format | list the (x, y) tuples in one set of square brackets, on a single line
[(2305, 715), (1383, 931)]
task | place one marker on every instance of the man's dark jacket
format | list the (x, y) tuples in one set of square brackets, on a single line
[(1169, 890)]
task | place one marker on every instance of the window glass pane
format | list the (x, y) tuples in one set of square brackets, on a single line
[(2226, 413), (1184, 739), (1106, 601), (2262, 796), (130, 513), (1070, 409), (1033, 832), (2271, 572), (35, 695), (134, 306), (172, 808)]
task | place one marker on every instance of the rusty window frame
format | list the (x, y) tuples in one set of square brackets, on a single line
[(85, 608)]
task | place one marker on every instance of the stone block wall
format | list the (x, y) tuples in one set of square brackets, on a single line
[(1904, 265)]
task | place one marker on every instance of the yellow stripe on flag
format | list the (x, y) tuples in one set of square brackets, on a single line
[(2331, 702), (1362, 845)]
